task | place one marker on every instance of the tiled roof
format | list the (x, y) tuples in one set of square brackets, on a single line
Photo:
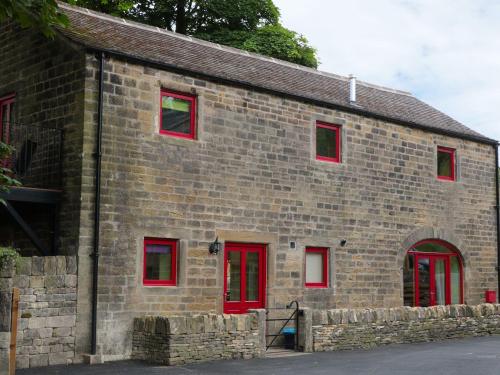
[(103, 32)]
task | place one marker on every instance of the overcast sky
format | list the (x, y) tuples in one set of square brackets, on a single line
[(446, 52)]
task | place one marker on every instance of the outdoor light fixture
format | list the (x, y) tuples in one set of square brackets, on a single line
[(343, 243), (215, 246)]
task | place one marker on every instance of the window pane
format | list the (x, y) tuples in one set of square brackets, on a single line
[(433, 248), (314, 267), (326, 142), (439, 280), (444, 164), (424, 282), (233, 275), (158, 262), (409, 281), (455, 280), (252, 274), (176, 115), (4, 120)]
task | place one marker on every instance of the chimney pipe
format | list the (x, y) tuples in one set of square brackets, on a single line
[(352, 88)]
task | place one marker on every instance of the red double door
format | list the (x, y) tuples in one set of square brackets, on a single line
[(432, 279), (244, 277)]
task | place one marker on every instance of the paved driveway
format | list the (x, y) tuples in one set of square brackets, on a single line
[(477, 356)]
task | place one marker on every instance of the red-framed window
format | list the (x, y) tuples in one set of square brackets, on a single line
[(178, 114), (6, 116), (160, 262), (316, 275), (446, 163), (328, 142)]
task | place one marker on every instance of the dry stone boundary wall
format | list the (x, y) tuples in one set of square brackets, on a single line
[(345, 329), (177, 340)]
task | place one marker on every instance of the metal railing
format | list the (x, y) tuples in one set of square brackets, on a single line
[(37, 158), (284, 322)]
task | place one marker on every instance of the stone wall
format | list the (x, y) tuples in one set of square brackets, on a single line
[(346, 329), (47, 311), (47, 78), (177, 340), (6, 275), (251, 176)]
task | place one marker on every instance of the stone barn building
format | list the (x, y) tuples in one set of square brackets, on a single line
[(190, 177)]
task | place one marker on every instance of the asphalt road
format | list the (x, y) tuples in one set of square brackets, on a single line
[(477, 356)]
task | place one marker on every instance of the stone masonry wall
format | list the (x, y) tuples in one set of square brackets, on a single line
[(251, 176), (177, 340), (346, 329), (47, 78), (47, 311)]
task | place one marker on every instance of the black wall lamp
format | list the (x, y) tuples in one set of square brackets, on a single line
[(215, 247), (343, 243)]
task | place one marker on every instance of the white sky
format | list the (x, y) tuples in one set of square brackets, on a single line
[(446, 52)]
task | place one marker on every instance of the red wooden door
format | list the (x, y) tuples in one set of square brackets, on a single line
[(244, 277), (432, 277)]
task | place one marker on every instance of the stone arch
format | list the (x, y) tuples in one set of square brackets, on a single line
[(431, 233)]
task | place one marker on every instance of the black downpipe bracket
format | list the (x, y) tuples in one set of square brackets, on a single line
[(497, 186), (97, 205)]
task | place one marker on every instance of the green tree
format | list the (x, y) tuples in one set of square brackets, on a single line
[(252, 25), (42, 14)]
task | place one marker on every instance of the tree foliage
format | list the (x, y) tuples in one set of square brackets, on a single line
[(252, 25), (42, 14)]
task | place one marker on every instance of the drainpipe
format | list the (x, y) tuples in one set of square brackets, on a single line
[(97, 205), (497, 186)]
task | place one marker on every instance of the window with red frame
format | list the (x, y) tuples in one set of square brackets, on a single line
[(160, 262), (316, 267), (328, 142), (446, 163), (178, 114), (6, 117)]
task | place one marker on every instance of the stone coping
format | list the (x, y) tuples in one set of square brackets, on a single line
[(195, 324), (404, 313)]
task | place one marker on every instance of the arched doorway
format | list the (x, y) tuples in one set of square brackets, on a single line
[(432, 274)]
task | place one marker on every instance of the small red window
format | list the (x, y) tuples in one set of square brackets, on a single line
[(328, 142), (446, 163), (6, 117), (316, 267), (160, 262), (178, 115)]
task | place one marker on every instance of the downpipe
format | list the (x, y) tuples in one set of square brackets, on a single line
[(97, 206)]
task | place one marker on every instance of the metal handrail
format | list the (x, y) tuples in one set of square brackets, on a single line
[(295, 315), (37, 158)]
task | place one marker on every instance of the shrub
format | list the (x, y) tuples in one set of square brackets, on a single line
[(9, 255)]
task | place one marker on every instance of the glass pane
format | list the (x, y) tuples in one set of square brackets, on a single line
[(326, 142), (424, 282), (314, 267), (11, 113), (5, 112), (444, 164), (409, 281), (433, 248), (233, 276), (158, 262), (176, 115), (252, 274), (440, 281), (455, 280)]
